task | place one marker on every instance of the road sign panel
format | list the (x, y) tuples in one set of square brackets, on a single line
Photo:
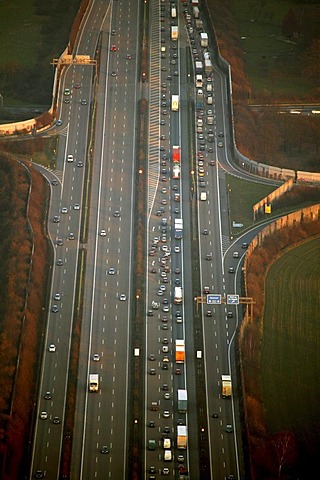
[(232, 299), (213, 299)]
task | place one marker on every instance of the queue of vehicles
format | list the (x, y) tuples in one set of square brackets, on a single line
[(160, 251)]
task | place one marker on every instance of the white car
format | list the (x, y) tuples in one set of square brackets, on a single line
[(103, 233), (177, 249), (76, 206), (111, 271), (123, 297), (43, 415), (57, 296), (70, 158), (166, 414), (64, 210), (52, 347), (96, 357)]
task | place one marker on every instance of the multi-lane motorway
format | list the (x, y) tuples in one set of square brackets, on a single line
[(109, 101)]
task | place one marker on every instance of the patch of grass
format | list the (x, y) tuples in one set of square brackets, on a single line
[(20, 29), (271, 60), (242, 196), (32, 33), (290, 357)]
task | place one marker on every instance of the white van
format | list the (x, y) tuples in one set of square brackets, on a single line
[(203, 196), (209, 87), (167, 456), (209, 100)]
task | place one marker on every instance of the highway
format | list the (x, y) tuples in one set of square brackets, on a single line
[(101, 418), (100, 437), (66, 204)]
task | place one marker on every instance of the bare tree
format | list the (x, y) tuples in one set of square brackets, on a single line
[(284, 449)]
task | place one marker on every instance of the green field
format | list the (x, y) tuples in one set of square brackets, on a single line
[(290, 359), (32, 33), (20, 33), (242, 196), (272, 61)]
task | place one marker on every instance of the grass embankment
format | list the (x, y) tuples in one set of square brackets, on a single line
[(290, 359), (32, 34), (272, 61), (243, 195)]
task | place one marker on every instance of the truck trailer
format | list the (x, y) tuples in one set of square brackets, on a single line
[(226, 386), (178, 228), (175, 103), (203, 39), (208, 67), (176, 171), (174, 32), (180, 351), (93, 382), (182, 436), (199, 67), (176, 154), (182, 400), (177, 295)]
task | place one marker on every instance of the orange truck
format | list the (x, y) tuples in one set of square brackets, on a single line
[(180, 351)]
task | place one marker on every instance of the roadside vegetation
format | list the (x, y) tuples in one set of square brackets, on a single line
[(280, 354), (290, 355), (39, 150), (25, 260)]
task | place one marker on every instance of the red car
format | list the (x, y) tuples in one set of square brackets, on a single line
[(113, 48)]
